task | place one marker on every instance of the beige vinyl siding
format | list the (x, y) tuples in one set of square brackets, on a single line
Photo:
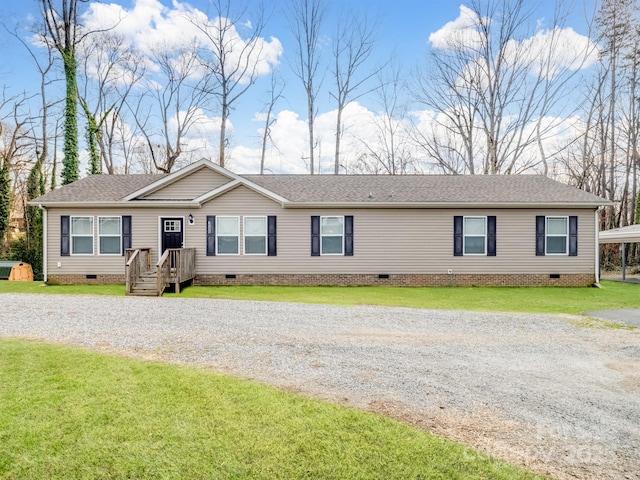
[(192, 186), (385, 240)]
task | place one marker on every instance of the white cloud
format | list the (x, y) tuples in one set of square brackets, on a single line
[(149, 26), (460, 34), (549, 52)]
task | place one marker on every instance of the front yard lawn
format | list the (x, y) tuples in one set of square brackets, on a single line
[(70, 414), (505, 299)]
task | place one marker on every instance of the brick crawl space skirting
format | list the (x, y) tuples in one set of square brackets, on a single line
[(343, 279)]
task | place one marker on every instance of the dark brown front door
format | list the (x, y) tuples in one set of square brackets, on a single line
[(172, 233)]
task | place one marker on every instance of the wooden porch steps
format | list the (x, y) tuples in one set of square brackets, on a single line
[(146, 285)]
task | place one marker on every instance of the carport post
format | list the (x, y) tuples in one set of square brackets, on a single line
[(624, 264)]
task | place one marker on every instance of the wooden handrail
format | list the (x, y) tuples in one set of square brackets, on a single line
[(131, 269), (177, 265), (164, 271), (137, 262)]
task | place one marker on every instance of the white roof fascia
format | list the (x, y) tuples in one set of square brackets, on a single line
[(120, 204), (177, 175), (438, 205)]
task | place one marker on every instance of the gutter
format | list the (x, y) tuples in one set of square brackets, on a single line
[(131, 204), (447, 205), (45, 241), (198, 202)]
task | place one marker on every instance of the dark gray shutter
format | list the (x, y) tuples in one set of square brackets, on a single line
[(540, 241), (272, 250), (573, 236), (315, 236), (491, 236), (211, 235), (126, 232), (348, 235), (65, 237), (458, 239)]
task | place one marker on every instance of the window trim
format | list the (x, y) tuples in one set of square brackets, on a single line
[(72, 235), (342, 235), (110, 235), (555, 235), (245, 235), (465, 235), (218, 217)]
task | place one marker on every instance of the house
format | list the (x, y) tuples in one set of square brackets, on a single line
[(323, 229)]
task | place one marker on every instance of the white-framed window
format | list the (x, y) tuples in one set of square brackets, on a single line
[(227, 235), (557, 235), (109, 235), (331, 235), (475, 235), (255, 235), (81, 235), (172, 226)]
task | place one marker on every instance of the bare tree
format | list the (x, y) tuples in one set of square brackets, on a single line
[(494, 85), (39, 123), (306, 18), (62, 29), (177, 105), (617, 35), (233, 62), (275, 93), (389, 151), (353, 45), (16, 158), (110, 70)]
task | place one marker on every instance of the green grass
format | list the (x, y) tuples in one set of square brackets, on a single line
[(506, 299), (70, 414), (40, 287)]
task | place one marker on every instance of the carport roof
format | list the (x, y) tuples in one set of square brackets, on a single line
[(630, 234)]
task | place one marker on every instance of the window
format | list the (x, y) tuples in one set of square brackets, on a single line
[(255, 235), (475, 235), (109, 235), (81, 235), (557, 235), (331, 235), (227, 235), (172, 226)]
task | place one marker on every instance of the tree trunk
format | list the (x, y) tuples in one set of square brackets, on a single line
[(70, 162)]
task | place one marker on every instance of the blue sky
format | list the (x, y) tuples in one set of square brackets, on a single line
[(404, 28)]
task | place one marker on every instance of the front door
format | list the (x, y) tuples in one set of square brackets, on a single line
[(172, 233)]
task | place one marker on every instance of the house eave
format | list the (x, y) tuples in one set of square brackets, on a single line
[(447, 205), (120, 204), (197, 203)]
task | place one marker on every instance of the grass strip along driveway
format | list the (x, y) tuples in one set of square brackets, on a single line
[(69, 414), (570, 300)]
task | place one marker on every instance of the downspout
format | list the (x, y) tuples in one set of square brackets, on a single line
[(44, 241), (597, 255)]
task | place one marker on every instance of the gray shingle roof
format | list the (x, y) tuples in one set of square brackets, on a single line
[(423, 189), (99, 188), (344, 189)]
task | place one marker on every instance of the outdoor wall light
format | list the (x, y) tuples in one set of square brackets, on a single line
[(191, 219)]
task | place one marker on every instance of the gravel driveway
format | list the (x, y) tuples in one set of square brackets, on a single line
[(542, 391)]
